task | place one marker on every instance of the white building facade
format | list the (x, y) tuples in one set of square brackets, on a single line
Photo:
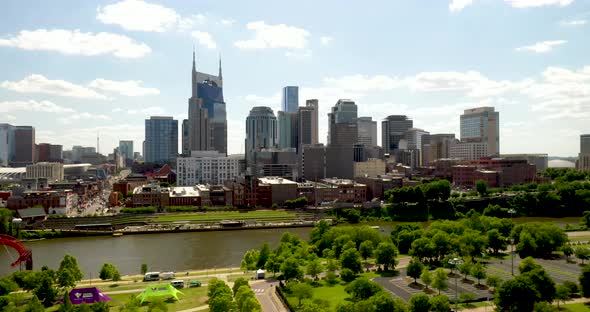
[(205, 167)]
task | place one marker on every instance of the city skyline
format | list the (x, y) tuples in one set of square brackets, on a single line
[(531, 68)]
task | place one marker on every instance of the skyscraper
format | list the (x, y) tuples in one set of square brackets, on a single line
[(207, 119), (185, 138), (24, 146), (305, 118), (126, 149), (261, 131), (314, 103), (6, 144), (161, 139), (287, 129), (481, 125), (343, 127), (392, 131), (367, 130), (290, 99), (583, 162)]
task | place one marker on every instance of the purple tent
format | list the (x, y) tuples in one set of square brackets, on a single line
[(87, 295)]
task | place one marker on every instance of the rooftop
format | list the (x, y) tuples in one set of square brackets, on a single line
[(275, 180)]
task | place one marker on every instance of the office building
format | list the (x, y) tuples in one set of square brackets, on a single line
[(185, 138), (80, 152), (437, 147), (541, 161), (305, 127), (50, 171), (288, 129), (290, 99), (314, 103), (6, 144), (583, 162), (415, 139), (392, 131), (318, 162), (161, 139), (126, 149), (46, 152), (496, 172), (206, 167), (276, 163), (469, 150), (481, 125), (261, 132), (342, 124), (372, 167), (24, 146), (367, 131), (207, 118)]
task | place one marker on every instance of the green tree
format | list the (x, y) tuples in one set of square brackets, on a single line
[(481, 187), (494, 281), (244, 292), (5, 221), (107, 271), (479, 272), (385, 255), (67, 305), (347, 275), (351, 259), (440, 280), (291, 270), (439, 303), (35, 305), (301, 291), (239, 282), (250, 260), (116, 276), (582, 253), (562, 293), (362, 289), (314, 268), (7, 285), (69, 272), (465, 269), (222, 303), (585, 281), (44, 290), (217, 287), (144, 268), (528, 264), (426, 277), (263, 256), (384, 303), (366, 249), (250, 304), (516, 295), (496, 241), (567, 251), (419, 303), (542, 282), (157, 305), (273, 264), (414, 269)]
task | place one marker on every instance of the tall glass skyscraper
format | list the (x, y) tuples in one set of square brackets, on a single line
[(207, 118), (290, 99), (126, 149), (342, 124), (161, 139), (392, 131), (481, 125), (261, 131)]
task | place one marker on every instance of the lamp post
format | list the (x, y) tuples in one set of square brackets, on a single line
[(511, 212), (455, 262)]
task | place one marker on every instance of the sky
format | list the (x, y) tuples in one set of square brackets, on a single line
[(75, 69)]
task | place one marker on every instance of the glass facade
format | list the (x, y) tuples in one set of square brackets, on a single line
[(161, 139), (290, 99)]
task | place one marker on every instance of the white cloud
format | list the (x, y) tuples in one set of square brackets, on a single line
[(298, 54), (127, 88), (33, 106), (573, 23), (458, 5), (274, 37), (537, 3), (228, 22), (542, 47), (40, 84), (83, 116), (138, 15), (326, 40), (204, 39), (9, 118), (74, 42), (189, 22), (149, 111)]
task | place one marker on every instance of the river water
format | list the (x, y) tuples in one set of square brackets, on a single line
[(161, 252)]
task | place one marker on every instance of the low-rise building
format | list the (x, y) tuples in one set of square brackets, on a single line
[(541, 161), (376, 186), (195, 196), (50, 171), (53, 202), (373, 167), (280, 190), (330, 190), (496, 172), (206, 167)]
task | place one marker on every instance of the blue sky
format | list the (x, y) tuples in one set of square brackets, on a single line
[(75, 68)]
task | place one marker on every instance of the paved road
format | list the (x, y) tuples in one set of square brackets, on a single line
[(265, 293)]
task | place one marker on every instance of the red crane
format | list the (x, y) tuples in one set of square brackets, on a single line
[(24, 255)]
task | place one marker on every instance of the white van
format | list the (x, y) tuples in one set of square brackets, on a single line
[(151, 276), (167, 275), (177, 284)]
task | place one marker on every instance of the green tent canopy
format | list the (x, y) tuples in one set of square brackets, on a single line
[(159, 290)]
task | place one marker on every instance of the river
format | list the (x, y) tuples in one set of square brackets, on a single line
[(161, 252)]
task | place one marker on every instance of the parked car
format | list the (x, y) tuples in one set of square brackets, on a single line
[(194, 284), (167, 275), (177, 284)]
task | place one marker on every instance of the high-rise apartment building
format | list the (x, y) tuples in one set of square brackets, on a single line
[(392, 131), (342, 124), (185, 138), (482, 125), (24, 146), (207, 118), (6, 144), (583, 162), (367, 131), (161, 139), (290, 99), (314, 103), (261, 131), (126, 149)]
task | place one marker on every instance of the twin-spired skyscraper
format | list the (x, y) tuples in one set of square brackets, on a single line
[(206, 126)]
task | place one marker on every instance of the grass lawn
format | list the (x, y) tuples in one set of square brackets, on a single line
[(191, 298), (333, 294), (577, 307), (213, 216)]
